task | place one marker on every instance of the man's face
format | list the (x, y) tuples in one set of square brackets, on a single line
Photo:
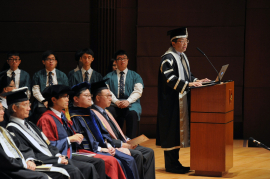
[(22, 111), (180, 45), (50, 62), (114, 66), (62, 101), (121, 62), (10, 87), (105, 98), (86, 60), (2, 112), (14, 62), (84, 100)]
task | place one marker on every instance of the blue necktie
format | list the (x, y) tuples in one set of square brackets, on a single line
[(13, 76), (86, 76)]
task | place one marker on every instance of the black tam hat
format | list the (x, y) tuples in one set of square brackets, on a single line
[(98, 87), (55, 91), (79, 87), (16, 95), (178, 33), (4, 81)]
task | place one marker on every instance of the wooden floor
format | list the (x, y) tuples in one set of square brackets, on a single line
[(248, 162)]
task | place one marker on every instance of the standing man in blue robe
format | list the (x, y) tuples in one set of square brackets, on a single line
[(86, 73), (127, 88), (46, 77)]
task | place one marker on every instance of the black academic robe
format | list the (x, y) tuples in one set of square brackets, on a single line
[(14, 168), (168, 118), (144, 156), (72, 170)]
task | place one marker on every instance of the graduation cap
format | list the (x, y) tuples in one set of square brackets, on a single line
[(16, 95), (98, 86), (55, 91), (79, 87), (178, 33), (4, 81)]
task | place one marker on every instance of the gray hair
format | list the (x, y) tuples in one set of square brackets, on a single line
[(10, 110)]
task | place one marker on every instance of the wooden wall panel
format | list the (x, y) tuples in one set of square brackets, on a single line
[(45, 11), (191, 13), (256, 91)]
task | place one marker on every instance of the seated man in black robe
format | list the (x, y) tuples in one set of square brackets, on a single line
[(18, 160)]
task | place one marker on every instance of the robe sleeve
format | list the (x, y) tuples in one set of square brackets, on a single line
[(170, 77)]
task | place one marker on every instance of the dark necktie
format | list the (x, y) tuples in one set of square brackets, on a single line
[(86, 76), (50, 79), (13, 76), (122, 86), (184, 64), (105, 115)]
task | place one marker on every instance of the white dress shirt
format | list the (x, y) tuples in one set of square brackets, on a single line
[(90, 71), (36, 88), (135, 95)]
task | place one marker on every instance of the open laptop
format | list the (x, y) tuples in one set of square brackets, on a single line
[(220, 74)]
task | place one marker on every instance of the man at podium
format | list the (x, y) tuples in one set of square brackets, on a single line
[(174, 80)]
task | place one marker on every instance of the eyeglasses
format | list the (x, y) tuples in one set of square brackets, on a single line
[(67, 96), (26, 105), (88, 96), (14, 59), (12, 86), (2, 109), (50, 59), (183, 41), (107, 96), (122, 59)]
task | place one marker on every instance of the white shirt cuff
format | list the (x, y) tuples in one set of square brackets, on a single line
[(68, 141), (99, 149)]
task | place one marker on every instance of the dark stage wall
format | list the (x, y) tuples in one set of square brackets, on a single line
[(229, 32)]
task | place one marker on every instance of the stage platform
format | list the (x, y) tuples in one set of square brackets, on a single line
[(248, 162)]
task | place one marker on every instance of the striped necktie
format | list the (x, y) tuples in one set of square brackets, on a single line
[(184, 64)]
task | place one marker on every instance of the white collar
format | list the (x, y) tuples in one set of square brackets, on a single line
[(17, 71), (58, 114), (53, 71), (125, 71), (17, 120), (89, 70)]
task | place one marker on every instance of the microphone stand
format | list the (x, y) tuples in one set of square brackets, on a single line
[(259, 144), (210, 63)]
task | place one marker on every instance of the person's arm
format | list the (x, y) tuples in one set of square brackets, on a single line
[(136, 94)]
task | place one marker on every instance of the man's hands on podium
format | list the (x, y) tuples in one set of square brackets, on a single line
[(122, 104), (198, 82)]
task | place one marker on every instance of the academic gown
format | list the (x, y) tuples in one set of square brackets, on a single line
[(113, 168), (54, 129), (172, 91), (40, 78), (77, 77), (144, 156), (13, 167), (100, 134), (19, 131), (131, 79)]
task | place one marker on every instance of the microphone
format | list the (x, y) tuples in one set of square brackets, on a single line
[(210, 63), (251, 139)]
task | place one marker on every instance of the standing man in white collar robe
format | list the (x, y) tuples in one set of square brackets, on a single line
[(174, 80)]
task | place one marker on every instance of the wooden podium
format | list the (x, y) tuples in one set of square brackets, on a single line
[(211, 129)]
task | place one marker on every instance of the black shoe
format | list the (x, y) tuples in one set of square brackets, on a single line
[(180, 170)]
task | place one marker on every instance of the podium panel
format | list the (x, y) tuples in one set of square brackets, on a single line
[(211, 126)]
